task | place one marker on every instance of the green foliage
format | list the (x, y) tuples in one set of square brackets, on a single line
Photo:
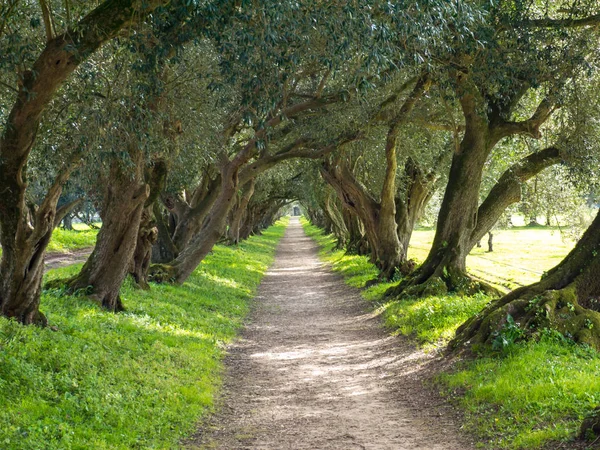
[(432, 320), (508, 335), (537, 393), (140, 379)]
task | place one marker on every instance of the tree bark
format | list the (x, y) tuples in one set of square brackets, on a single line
[(378, 218), (410, 206), (106, 268), (60, 57), (508, 189), (148, 231), (240, 210), (213, 228), (567, 299), (485, 125), (191, 220)]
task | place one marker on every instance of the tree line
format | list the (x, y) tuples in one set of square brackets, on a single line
[(185, 123)]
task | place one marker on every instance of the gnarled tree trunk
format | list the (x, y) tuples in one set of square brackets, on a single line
[(485, 125), (23, 248), (106, 268), (148, 231), (567, 298), (508, 190), (240, 210), (410, 206)]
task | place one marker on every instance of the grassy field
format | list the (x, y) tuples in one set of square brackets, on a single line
[(134, 380), (533, 394), (81, 236), (521, 254)]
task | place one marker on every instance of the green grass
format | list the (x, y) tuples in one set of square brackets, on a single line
[(521, 254), (139, 379), (535, 394), (64, 241), (67, 240), (538, 393), (431, 320)]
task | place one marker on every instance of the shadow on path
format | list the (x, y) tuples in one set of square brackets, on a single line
[(314, 369)]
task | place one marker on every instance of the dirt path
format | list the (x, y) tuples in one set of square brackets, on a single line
[(56, 260), (315, 370)]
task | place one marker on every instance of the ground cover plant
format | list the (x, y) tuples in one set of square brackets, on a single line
[(139, 379), (524, 395)]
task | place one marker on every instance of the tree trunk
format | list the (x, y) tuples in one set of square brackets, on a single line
[(508, 189), (164, 249), (380, 229), (567, 299), (148, 231), (445, 266), (22, 266), (202, 243), (67, 222), (106, 268), (192, 220), (409, 209), (240, 210), (23, 249)]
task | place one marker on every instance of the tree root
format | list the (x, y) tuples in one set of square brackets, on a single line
[(435, 285), (531, 311)]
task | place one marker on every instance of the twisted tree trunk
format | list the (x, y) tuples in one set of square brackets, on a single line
[(23, 249), (148, 231), (567, 298), (410, 206), (445, 266), (508, 189), (106, 268), (240, 210)]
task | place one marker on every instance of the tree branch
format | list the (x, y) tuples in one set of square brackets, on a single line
[(529, 127), (590, 21)]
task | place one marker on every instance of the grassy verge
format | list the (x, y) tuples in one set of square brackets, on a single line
[(521, 254), (533, 395), (140, 379)]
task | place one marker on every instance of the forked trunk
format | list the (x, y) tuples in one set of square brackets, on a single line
[(156, 177), (192, 220), (508, 190), (410, 207), (25, 235), (203, 242)]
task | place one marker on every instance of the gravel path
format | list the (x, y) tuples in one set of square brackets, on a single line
[(55, 260), (314, 369)]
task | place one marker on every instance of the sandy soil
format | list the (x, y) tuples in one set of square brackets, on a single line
[(56, 260), (314, 369)]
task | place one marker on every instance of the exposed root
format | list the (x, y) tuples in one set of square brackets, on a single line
[(590, 428), (415, 285), (531, 312)]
